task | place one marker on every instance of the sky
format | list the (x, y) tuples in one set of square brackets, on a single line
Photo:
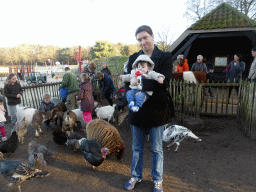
[(67, 23)]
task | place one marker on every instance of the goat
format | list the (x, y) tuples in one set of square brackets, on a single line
[(38, 118), (69, 121)]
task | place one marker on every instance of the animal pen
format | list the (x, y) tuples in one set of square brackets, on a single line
[(189, 100)]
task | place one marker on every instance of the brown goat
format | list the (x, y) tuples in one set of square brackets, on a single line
[(107, 135), (38, 118), (60, 107), (69, 121)]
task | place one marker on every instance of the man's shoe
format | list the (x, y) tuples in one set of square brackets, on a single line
[(158, 187), (130, 184)]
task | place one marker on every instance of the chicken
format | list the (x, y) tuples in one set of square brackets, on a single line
[(59, 137), (21, 128), (176, 134), (18, 171), (37, 153), (10, 145), (91, 150)]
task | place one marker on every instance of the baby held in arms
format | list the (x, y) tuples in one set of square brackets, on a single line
[(142, 69)]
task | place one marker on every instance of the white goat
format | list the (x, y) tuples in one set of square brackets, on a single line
[(55, 100), (106, 112), (26, 112)]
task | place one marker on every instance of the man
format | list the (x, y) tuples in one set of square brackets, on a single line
[(199, 65), (155, 112), (71, 84), (107, 86), (182, 64), (252, 73)]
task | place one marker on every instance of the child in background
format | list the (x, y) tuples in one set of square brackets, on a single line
[(46, 106), (142, 68), (86, 97), (121, 97), (2, 120), (13, 92)]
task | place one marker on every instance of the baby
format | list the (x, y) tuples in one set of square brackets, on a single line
[(142, 68)]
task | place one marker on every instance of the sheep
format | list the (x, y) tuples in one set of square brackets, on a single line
[(38, 118), (106, 112), (26, 112), (21, 128), (69, 121), (107, 135)]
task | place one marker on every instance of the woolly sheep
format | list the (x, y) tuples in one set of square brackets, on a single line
[(107, 135), (106, 112)]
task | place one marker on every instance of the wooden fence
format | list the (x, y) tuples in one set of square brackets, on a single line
[(189, 99)]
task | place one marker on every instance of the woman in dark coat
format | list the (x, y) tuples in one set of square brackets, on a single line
[(13, 92), (86, 97)]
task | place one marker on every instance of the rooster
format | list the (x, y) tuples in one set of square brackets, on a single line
[(91, 150), (176, 134), (18, 171)]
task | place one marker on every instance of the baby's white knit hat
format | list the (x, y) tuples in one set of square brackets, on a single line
[(143, 58)]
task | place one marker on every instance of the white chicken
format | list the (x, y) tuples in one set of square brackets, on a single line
[(176, 134)]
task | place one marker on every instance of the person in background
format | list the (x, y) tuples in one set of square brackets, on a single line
[(182, 64), (86, 97), (252, 72), (2, 120), (154, 113), (234, 71), (210, 76), (199, 65), (107, 86), (70, 82), (90, 70), (13, 92), (105, 69), (46, 106)]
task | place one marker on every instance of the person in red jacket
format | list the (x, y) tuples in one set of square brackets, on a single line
[(182, 64)]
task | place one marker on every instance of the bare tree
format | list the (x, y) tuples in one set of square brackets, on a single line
[(196, 9), (164, 40)]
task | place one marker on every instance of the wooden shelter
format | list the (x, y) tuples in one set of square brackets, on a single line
[(218, 36)]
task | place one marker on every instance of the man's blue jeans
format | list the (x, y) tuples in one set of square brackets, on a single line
[(139, 138)]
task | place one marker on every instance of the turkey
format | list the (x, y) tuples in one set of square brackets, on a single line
[(91, 150), (176, 134), (10, 145), (37, 153), (18, 171)]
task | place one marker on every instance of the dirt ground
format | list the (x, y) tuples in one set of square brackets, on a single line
[(223, 162)]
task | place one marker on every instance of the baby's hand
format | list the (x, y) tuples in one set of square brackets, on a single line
[(160, 80), (115, 96), (120, 77)]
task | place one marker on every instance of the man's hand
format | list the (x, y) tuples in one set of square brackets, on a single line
[(19, 95), (134, 81), (160, 80)]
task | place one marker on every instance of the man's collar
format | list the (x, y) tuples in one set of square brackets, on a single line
[(155, 53)]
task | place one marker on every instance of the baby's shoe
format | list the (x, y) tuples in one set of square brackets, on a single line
[(4, 138), (131, 104), (135, 108)]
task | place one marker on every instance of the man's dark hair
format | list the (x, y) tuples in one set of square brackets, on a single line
[(254, 49), (67, 68), (144, 28)]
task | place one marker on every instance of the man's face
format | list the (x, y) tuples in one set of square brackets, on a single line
[(145, 40), (13, 79), (143, 68), (199, 60), (254, 53), (180, 61)]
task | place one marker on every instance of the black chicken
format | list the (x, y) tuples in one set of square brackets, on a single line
[(59, 137), (91, 150), (10, 145), (18, 171)]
